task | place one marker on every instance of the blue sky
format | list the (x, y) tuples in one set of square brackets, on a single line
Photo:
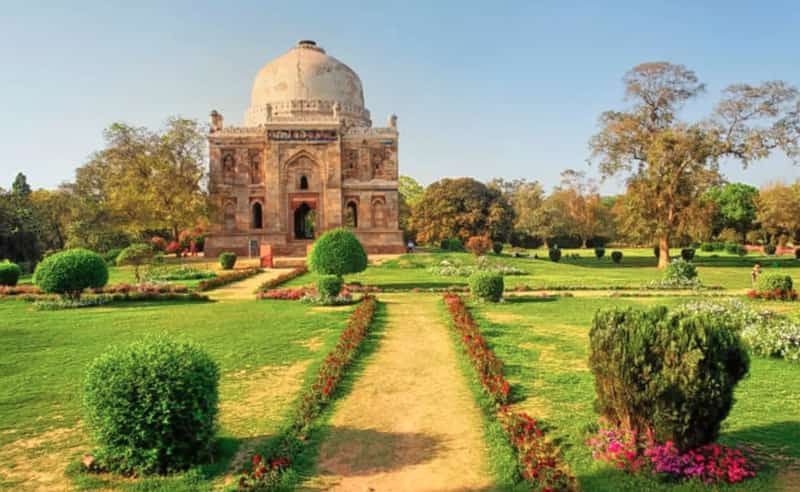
[(483, 89)]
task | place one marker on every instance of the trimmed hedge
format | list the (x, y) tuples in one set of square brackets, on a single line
[(673, 373), (735, 249), (337, 252), (70, 272), (452, 244), (687, 254), (616, 256), (9, 273), (770, 249), (152, 406), (773, 282), (554, 254), (487, 286), (227, 260), (329, 286), (599, 252)]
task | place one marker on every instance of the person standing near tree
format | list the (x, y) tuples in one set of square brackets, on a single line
[(755, 273)]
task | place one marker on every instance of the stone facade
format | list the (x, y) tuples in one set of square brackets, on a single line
[(308, 160)]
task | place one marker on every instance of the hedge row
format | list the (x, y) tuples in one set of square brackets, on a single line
[(271, 471), (227, 278), (538, 459), (282, 278)]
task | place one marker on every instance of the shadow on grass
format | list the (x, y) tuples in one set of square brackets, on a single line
[(419, 285), (528, 299)]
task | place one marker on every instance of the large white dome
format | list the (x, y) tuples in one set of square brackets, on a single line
[(306, 83)]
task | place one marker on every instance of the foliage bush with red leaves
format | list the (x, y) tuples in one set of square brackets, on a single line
[(268, 470), (16, 290), (287, 294), (282, 278), (538, 459), (479, 245), (773, 295)]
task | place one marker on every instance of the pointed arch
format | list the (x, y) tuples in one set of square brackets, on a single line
[(351, 215), (256, 216)]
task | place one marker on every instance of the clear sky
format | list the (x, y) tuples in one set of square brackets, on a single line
[(483, 89)]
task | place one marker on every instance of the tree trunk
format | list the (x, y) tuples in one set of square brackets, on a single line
[(175, 232), (663, 252)]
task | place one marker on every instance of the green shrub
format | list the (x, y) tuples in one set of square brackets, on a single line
[(770, 249), (486, 286), (599, 252), (329, 286), (136, 255), (227, 260), (554, 254), (735, 249), (497, 247), (452, 244), (680, 270), (616, 256), (674, 373), (707, 247), (774, 282), (152, 406), (337, 252), (71, 271), (9, 273), (111, 255), (687, 254)]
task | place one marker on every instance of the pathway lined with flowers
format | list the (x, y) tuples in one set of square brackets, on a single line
[(410, 421), (244, 289)]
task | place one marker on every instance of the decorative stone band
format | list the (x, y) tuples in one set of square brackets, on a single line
[(304, 133), (314, 109)]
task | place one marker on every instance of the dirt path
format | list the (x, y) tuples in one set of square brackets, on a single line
[(246, 288), (410, 422)]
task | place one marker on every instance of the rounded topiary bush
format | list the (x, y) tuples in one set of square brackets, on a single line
[(227, 260), (599, 252), (554, 254), (680, 270), (770, 249), (9, 273), (687, 254), (616, 256), (774, 282), (673, 373), (152, 406), (329, 286), (71, 271), (337, 252), (487, 286), (497, 247)]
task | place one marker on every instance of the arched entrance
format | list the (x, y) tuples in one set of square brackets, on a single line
[(305, 219)]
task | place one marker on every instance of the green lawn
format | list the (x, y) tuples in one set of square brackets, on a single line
[(265, 350), (544, 343), (638, 267)]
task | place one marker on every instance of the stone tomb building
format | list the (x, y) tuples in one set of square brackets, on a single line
[(306, 160)]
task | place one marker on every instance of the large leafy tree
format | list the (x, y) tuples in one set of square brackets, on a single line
[(20, 228), (461, 207), (736, 206), (410, 192), (670, 163), (527, 200), (577, 205), (779, 210)]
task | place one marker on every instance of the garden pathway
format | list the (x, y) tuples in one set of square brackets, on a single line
[(410, 421), (244, 289)]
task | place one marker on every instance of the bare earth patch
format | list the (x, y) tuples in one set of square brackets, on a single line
[(37, 463), (410, 422), (499, 317)]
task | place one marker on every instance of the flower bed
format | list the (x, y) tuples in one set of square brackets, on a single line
[(227, 278), (711, 463), (288, 294), (17, 290), (773, 295), (539, 461), (267, 471), (284, 277)]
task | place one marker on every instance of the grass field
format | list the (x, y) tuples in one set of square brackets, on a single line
[(544, 343), (265, 349)]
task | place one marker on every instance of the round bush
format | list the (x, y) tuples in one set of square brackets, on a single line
[(9, 273), (674, 373), (735, 249), (452, 244), (71, 271), (680, 270), (487, 286), (599, 252), (707, 247), (554, 254), (497, 247), (770, 249), (479, 245), (337, 252), (152, 406), (329, 286), (227, 260), (616, 256), (774, 282), (687, 254)]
